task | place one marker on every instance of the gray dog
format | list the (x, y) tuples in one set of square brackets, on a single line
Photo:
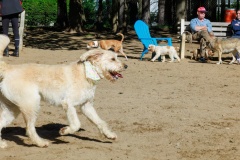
[(225, 45)]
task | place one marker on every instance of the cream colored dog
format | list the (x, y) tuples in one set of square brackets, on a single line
[(23, 86), (162, 51), (109, 44)]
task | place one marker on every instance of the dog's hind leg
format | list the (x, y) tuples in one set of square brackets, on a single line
[(6, 117), (233, 59), (74, 123), (30, 110), (121, 51), (89, 111)]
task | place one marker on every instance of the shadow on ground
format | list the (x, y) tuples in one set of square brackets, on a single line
[(50, 39)]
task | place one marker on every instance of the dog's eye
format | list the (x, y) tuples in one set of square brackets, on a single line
[(113, 59)]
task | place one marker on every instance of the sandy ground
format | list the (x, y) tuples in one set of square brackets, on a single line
[(160, 111)]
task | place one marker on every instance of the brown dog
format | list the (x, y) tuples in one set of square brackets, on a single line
[(109, 44), (196, 54)]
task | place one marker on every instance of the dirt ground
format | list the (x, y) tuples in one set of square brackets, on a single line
[(160, 111)]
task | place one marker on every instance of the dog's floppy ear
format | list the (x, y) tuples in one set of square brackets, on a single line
[(91, 55)]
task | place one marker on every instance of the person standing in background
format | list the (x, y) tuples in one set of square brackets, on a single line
[(10, 10)]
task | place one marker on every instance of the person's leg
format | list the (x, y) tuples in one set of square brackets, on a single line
[(14, 20), (5, 25)]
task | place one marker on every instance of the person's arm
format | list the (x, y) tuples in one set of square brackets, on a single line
[(193, 24), (195, 28), (209, 26)]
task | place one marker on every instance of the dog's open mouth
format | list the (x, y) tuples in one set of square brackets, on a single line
[(116, 75)]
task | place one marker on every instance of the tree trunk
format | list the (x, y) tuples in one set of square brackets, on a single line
[(108, 9), (121, 15), (146, 11), (114, 15), (140, 9), (76, 16), (180, 12), (100, 14), (132, 12), (161, 12), (62, 19)]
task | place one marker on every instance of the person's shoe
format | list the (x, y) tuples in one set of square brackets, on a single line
[(202, 60), (15, 53), (6, 52)]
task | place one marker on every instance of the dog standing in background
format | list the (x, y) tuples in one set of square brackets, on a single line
[(109, 44), (225, 45), (162, 51)]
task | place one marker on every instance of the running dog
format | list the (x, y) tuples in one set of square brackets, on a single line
[(162, 51), (22, 87), (225, 45), (109, 44)]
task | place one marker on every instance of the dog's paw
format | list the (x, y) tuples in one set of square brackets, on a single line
[(3, 144), (111, 135), (43, 143), (152, 60), (64, 131), (219, 62)]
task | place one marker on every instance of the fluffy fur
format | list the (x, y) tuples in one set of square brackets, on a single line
[(227, 45), (109, 44), (4, 41), (162, 51), (23, 86)]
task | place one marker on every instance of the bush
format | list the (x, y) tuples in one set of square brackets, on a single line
[(40, 12)]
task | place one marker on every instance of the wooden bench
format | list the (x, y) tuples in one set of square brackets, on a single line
[(21, 28), (220, 29)]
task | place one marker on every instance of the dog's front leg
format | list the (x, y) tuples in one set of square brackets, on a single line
[(89, 111), (171, 56), (219, 57), (156, 56), (74, 123)]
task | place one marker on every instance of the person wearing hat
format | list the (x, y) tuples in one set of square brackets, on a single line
[(201, 28)]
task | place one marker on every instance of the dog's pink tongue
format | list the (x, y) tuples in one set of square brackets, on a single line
[(119, 75)]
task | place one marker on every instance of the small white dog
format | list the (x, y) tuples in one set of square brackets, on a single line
[(23, 86), (162, 51)]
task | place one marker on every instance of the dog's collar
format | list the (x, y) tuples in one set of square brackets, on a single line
[(96, 44), (90, 71)]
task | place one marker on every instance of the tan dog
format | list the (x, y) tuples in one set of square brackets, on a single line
[(162, 51), (109, 44), (226, 45), (23, 86)]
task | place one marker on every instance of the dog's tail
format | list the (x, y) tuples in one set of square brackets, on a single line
[(120, 34)]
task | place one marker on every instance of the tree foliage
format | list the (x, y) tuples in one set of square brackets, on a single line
[(40, 12)]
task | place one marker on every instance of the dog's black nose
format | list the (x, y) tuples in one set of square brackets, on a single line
[(125, 66)]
